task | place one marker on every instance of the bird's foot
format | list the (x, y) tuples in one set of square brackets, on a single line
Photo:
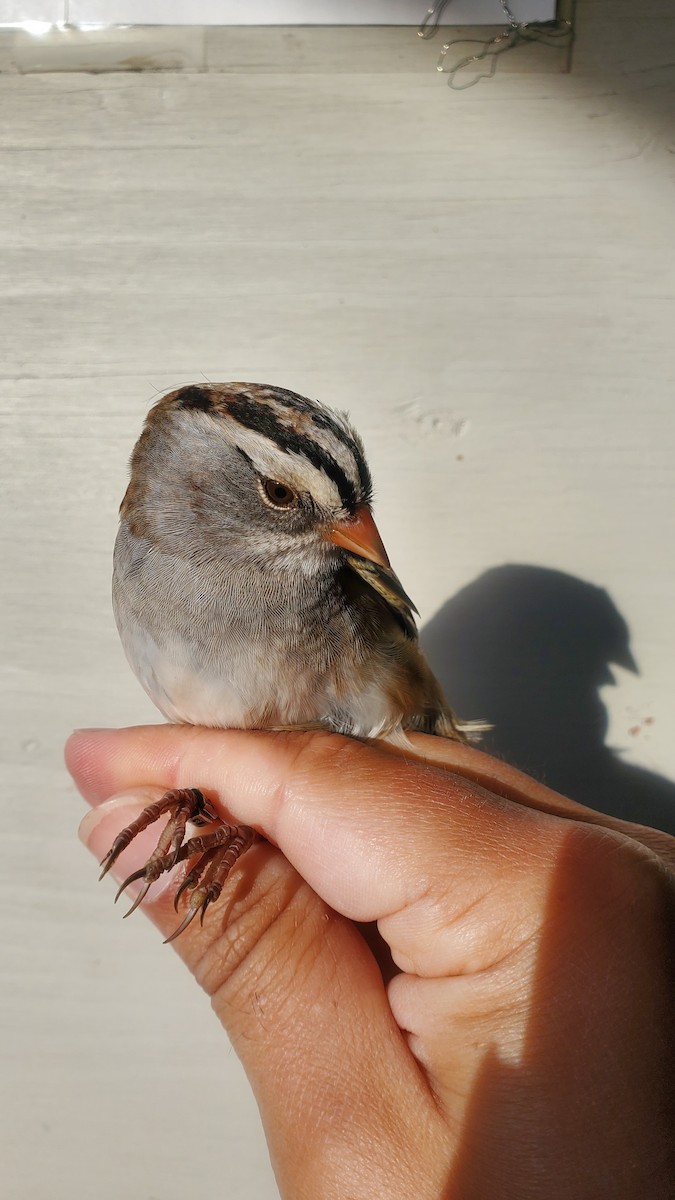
[(215, 852)]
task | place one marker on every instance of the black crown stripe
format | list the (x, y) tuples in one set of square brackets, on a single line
[(197, 397), (261, 420), (324, 421)]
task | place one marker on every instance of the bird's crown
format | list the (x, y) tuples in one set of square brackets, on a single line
[(292, 424)]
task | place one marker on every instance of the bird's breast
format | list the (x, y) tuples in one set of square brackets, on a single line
[(227, 651), (224, 650)]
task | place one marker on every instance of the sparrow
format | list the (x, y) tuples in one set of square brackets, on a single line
[(251, 590)]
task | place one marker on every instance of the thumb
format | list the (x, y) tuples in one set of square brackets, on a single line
[(304, 1004)]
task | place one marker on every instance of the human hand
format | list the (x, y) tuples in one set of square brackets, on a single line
[(522, 1045)]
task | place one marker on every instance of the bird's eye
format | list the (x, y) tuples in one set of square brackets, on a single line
[(278, 494)]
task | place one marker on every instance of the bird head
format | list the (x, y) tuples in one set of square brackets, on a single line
[(248, 473)]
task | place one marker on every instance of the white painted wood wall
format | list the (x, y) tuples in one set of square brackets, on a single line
[(486, 280), (264, 12)]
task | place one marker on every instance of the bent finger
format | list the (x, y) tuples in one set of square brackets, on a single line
[(305, 1007), (452, 872)]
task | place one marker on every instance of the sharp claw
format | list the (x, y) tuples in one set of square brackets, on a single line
[(218, 850), (187, 882), (130, 879), (141, 895), (109, 860), (189, 916), (121, 842), (106, 863)]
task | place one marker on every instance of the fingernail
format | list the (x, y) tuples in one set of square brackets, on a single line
[(100, 827)]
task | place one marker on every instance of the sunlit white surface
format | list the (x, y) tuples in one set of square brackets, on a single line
[(484, 280), (265, 12)]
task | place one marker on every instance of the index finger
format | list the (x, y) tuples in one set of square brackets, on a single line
[(117, 754), (378, 836)]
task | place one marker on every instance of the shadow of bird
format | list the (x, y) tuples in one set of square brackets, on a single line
[(528, 649)]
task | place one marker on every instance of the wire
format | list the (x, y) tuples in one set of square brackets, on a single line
[(556, 34)]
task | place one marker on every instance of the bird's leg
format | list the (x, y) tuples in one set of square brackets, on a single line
[(185, 804), (218, 850)]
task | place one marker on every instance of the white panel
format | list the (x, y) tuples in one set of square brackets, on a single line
[(486, 281), (16, 12), (297, 12)]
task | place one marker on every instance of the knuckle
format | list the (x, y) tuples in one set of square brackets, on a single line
[(315, 755)]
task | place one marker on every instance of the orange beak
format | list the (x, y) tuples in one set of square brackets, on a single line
[(360, 536), (367, 556)]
